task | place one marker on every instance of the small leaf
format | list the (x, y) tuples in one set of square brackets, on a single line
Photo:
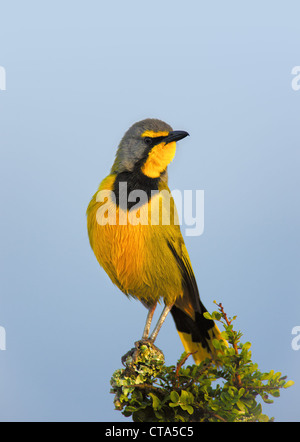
[(241, 406), (186, 397), (263, 418), (189, 409), (216, 344), (130, 409), (246, 346), (275, 393), (224, 335), (267, 400), (241, 392), (288, 384), (207, 315), (155, 401), (174, 396), (158, 414)]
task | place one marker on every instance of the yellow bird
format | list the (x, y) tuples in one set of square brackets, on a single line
[(134, 232)]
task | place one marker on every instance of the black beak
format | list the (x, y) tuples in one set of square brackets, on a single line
[(175, 135)]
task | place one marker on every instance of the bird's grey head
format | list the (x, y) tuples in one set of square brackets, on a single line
[(149, 141)]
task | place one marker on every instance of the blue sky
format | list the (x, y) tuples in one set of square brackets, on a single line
[(78, 74)]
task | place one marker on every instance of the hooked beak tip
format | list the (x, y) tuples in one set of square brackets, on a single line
[(176, 135)]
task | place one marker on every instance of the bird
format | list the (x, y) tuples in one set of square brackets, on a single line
[(144, 257)]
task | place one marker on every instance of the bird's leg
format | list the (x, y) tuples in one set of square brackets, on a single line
[(148, 321), (135, 352), (160, 322)]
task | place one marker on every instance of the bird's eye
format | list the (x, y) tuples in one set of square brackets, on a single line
[(148, 141)]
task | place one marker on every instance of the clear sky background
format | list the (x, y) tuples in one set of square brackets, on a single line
[(79, 73)]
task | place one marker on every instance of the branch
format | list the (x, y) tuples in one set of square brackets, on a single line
[(228, 322)]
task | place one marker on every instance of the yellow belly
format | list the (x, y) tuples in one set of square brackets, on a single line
[(136, 257)]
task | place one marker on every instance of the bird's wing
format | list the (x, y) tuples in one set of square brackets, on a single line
[(190, 302)]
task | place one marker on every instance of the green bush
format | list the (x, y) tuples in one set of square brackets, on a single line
[(230, 389)]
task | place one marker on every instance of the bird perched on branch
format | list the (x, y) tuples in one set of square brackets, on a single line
[(134, 232)]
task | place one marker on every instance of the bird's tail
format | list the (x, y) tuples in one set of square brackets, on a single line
[(195, 331)]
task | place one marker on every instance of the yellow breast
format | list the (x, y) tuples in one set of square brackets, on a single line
[(131, 246)]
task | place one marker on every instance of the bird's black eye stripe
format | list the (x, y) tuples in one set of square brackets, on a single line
[(150, 142)]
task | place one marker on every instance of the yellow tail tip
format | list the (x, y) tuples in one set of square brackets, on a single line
[(199, 352)]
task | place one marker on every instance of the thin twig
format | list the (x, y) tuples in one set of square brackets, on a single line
[(146, 387), (204, 368), (219, 417), (181, 362), (228, 322)]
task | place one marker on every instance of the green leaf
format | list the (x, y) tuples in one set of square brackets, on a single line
[(288, 384), (241, 392), (275, 393), (263, 418), (130, 409), (267, 400), (155, 401), (241, 406), (159, 415), (173, 404), (207, 315), (232, 391), (216, 344), (189, 409), (174, 396), (224, 335), (186, 397)]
